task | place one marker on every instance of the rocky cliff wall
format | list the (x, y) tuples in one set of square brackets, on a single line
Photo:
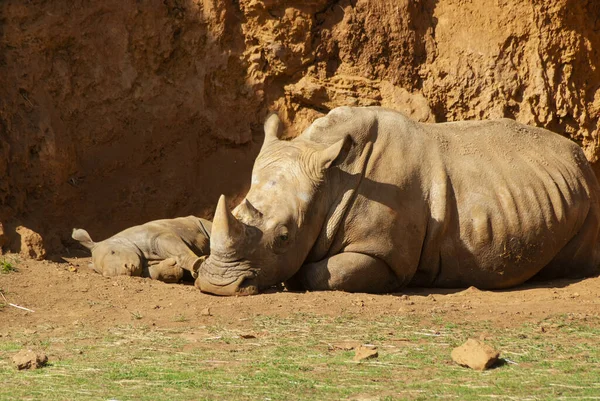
[(116, 112)]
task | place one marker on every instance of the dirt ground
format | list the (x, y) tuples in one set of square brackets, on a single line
[(67, 295)]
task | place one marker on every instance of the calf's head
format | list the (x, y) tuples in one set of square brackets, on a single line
[(269, 234), (112, 257)]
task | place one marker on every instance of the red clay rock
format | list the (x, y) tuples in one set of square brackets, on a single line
[(32, 243), (29, 359), (475, 354), (365, 351)]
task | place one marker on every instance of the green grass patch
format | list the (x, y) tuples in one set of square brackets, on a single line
[(299, 358), (7, 267)]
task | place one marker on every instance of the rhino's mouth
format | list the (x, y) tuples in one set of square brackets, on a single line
[(226, 279), (242, 286)]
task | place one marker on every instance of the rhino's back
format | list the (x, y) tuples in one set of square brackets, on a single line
[(192, 230), (516, 195)]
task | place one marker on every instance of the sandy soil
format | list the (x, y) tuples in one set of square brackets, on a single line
[(68, 294)]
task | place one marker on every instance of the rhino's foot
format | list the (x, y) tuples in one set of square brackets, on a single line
[(167, 271)]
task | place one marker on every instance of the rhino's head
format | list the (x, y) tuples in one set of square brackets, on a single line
[(112, 257), (268, 236)]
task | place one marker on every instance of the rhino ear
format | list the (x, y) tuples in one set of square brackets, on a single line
[(335, 153), (273, 127), (83, 238)]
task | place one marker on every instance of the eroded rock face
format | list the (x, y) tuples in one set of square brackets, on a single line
[(130, 111)]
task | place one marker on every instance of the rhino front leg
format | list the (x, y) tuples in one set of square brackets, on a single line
[(173, 247), (166, 270), (348, 271)]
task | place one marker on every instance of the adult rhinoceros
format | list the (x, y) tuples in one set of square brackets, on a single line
[(368, 200)]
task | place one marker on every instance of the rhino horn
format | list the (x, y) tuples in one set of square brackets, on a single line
[(227, 232)]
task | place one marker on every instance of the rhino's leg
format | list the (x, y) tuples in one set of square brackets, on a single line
[(166, 270), (348, 271), (580, 257), (171, 246)]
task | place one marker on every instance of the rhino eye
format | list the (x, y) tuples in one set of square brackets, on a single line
[(283, 237), (112, 252)]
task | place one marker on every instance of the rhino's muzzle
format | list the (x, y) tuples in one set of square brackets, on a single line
[(242, 286), (220, 277)]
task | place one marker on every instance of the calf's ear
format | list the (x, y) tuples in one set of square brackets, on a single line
[(335, 153), (83, 238)]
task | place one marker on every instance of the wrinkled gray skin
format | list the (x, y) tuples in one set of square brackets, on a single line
[(367, 200), (159, 249)]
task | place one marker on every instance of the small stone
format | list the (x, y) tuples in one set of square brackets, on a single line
[(28, 359), (365, 351), (345, 345), (206, 312), (475, 355)]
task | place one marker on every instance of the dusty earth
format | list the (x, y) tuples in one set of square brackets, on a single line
[(67, 295)]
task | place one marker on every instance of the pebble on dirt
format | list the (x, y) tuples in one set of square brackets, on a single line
[(365, 351), (29, 359), (475, 354)]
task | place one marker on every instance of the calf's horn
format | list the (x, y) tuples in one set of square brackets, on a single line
[(227, 232)]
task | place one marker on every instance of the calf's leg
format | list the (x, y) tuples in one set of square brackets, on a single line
[(171, 246), (166, 270)]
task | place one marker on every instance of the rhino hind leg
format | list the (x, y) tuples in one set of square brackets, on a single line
[(348, 271), (580, 257), (166, 270)]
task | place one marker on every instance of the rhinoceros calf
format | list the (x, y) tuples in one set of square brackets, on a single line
[(368, 200), (159, 249)]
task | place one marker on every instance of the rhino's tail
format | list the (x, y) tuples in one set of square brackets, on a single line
[(83, 238)]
